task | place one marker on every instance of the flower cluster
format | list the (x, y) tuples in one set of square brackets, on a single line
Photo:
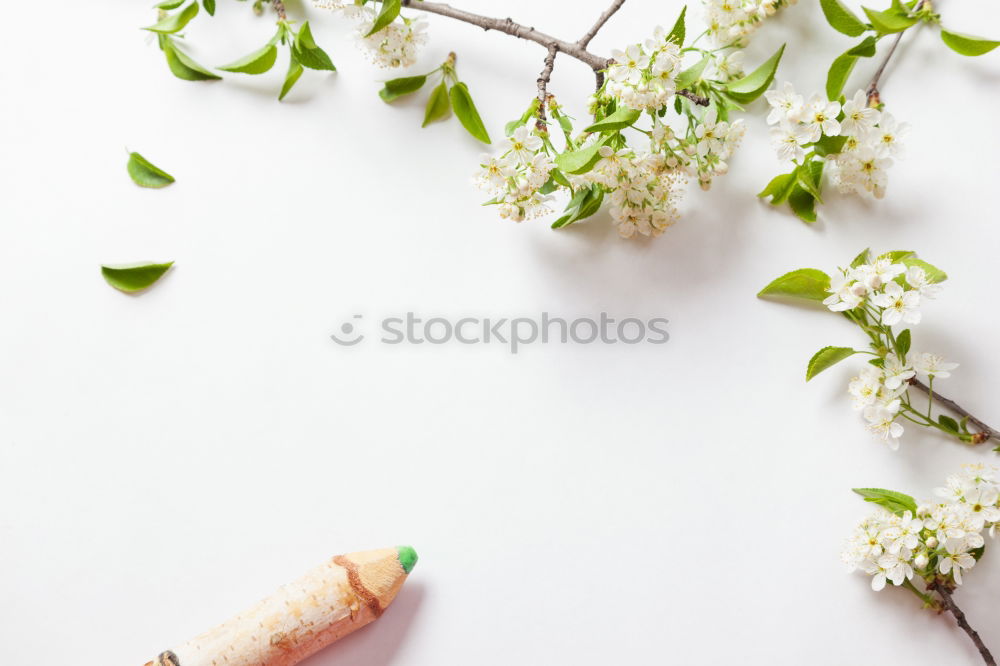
[(868, 138), (889, 293), (731, 21), (935, 540), (872, 141), (395, 45), (895, 289), (517, 173), (644, 189), (642, 76), (644, 144)]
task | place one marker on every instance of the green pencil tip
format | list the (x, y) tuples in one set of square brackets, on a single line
[(407, 558)]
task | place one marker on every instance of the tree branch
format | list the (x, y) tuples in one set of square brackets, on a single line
[(521, 31), (543, 82), (985, 432), (602, 19), (949, 603), (510, 27)]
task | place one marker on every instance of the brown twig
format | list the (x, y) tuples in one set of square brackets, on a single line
[(521, 31), (510, 27), (872, 92), (942, 589), (601, 20), (543, 82), (985, 432)]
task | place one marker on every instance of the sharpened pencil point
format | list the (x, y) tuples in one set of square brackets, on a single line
[(407, 558)]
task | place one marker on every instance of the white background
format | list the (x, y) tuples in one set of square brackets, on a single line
[(167, 459)]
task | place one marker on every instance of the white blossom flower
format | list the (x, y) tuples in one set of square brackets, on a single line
[(881, 421), (955, 559), (711, 134), (788, 140), (878, 273), (885, 139), (899, 305), (865, 388), (897, 373), (820, 117), (859, 118), (786, 104), (927, 365), (917, 278)]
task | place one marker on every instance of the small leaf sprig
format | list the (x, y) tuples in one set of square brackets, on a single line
[(934, 544), (856, 137), (878, 294), (303, 52), (450, 94)]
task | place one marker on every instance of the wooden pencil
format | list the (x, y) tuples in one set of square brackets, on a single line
[(302, 617)]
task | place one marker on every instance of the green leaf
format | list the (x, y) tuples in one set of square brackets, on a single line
[(677, 32), (145, 174), (584, 203), (294, 72), (826, 357), (896, 255), (175, 22), (209, 6), (308, 54), (581, 160), (621, 118), (949, 423), (934, 274), (808, 283), (403, 86), (863, 258), (903, 342), (805, 176), (257, 62), (183, 67), (690, 75), (753, 85), (889, 21), (134, 277), (438, 104), (167, 5), (841, 18), (865, 49), (829, 145), (779, 188), (803, 204), (528, 113), (898, 503), (967, 45), (465, 109), (388, 14), (836, 77)]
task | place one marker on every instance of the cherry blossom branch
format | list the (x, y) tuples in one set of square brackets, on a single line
[(985, 432), (577, 50), (949, 603), (872, 92)]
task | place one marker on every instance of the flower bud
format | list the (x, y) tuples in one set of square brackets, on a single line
[(920, 561), (932, 542)]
